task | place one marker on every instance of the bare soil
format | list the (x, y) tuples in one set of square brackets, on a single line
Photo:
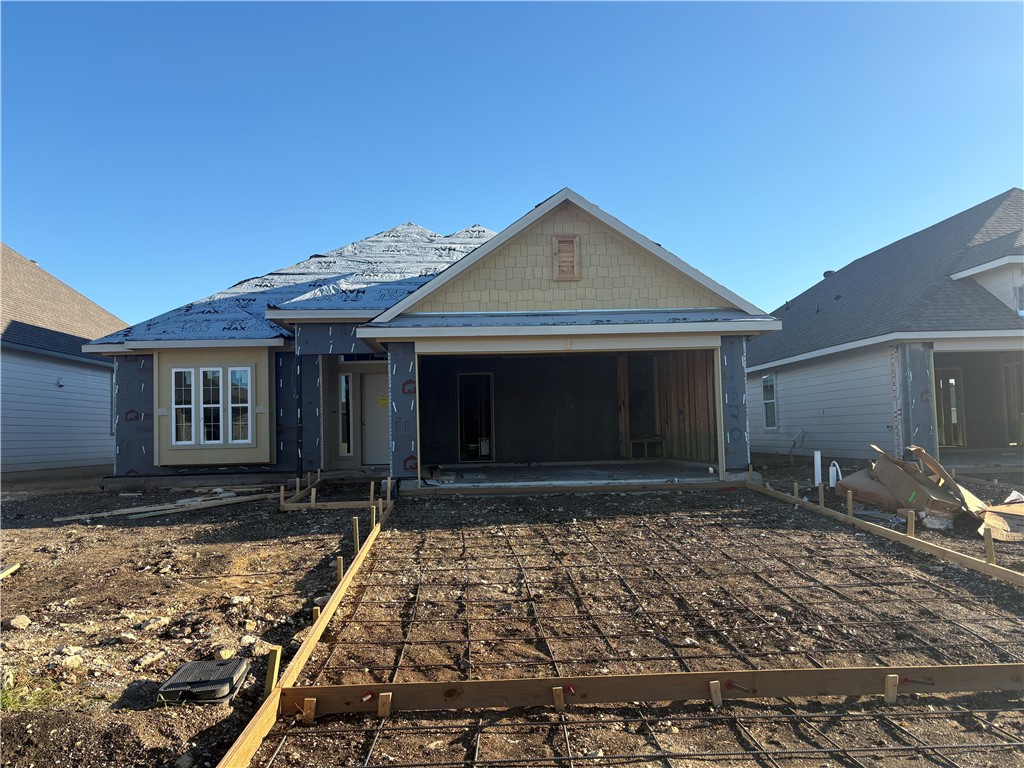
[(485, 576)]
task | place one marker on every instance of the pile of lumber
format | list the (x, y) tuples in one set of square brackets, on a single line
[(928, 490)]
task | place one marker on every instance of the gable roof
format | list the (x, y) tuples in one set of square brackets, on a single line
[(40, 312), (361, 279), (905, 287), (538, 212)]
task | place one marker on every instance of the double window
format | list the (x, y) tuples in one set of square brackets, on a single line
[(207, 412)]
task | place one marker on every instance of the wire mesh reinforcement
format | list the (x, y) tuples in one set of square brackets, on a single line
[(457, 592)]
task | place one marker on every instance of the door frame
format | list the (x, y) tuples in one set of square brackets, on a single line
[(458, 416), (330, 433), (941, 375)]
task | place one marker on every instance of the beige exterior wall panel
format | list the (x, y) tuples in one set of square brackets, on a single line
[(262, 448), (615, 274)]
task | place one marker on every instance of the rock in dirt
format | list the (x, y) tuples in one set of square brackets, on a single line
[(21, 621), (126, 638), (248, 640), (185, 761), (157, 622), (223, 653), (321, 601), (150, 658), (71, 662)]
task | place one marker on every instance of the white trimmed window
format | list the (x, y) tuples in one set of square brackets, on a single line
[(240, 404), (566, 249), (771, 416), (183, 394), (208, 403), (212, 412)]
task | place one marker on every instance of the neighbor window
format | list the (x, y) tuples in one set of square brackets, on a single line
[(567, 256), (768, 399), (181, 384), (198, 405), (240, 404)]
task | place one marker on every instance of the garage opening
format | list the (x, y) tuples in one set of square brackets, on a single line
[(568, 408)]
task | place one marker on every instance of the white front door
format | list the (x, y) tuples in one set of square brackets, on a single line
[(376, 421)]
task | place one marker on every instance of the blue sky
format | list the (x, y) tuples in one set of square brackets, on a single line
[(154, 153)]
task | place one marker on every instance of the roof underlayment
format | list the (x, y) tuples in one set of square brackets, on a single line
[(368, 276)]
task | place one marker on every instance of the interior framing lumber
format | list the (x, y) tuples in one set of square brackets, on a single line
[(669, 686)]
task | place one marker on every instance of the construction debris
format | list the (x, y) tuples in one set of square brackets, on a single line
[(904, 486)]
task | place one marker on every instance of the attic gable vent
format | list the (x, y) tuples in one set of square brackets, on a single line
[(566, 249)]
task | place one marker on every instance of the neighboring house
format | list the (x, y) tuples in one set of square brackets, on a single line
[(919, 343), (56, 400), (567, 337)]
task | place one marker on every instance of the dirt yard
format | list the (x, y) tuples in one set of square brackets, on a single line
[(471, 588)]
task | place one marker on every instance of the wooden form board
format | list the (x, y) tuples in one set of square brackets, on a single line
[(169, 508), (462, 490), (973, 563), (672, 686), (248, 742)]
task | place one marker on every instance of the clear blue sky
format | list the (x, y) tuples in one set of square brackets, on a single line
[(153, 153)]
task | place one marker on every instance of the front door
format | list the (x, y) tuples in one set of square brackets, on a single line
[(949, 408), (376, 421)]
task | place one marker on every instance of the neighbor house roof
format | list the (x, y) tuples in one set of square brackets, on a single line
[(38, 311), (362, 278), (905, 287)]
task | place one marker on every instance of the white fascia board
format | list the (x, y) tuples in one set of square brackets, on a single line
[(320, 315), (539, 212), (184, 344), (889, 338), (988, 266), (731, 328)]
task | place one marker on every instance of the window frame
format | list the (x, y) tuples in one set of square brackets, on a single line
[(346, 413), (247, 405), (219, 405), (556, 241), (774, 401), (191, 407)]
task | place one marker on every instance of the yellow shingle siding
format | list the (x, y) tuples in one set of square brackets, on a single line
[(614, 274)]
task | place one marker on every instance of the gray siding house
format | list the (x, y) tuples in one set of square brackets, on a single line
[(917, 343), (55, 401), (568, 337)]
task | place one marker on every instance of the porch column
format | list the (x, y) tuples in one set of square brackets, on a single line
[(734, 403), (918, 396), (402, 397)]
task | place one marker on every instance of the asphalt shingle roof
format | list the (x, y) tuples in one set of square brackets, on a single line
[(905, 286)]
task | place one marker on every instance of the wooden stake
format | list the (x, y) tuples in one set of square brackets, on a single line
[(298, 484), (821, 494), (990, 548), (558, 696), (312, 498), (796, 490), (308, 711), (849, 503), (355, 534), (716, 693), (309, 479), (911, 522), (273, 666), (750, 473), (318, 475), (373, 487), (316, 612), (282, 494), (373, 516), (891, 684), (384, 704), (388, 499), (340, 565)]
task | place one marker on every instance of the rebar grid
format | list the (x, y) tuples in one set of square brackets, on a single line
[(673, 737), (663, 593)]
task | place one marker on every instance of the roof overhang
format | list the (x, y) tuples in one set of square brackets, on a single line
[(88, 359), (541, 210), (128, 348), (945, 341), (731, 328), (988, 266)]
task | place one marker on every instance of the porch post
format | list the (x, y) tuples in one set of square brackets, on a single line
[(919, 397), (734, 432), (402, 377)]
